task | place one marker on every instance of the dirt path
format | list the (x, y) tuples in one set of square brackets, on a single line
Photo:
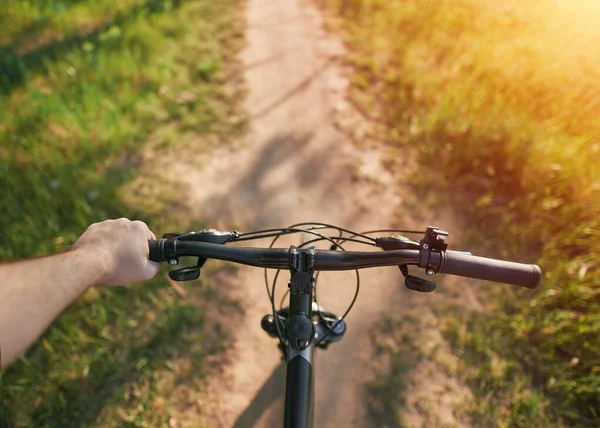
[(296, 165)]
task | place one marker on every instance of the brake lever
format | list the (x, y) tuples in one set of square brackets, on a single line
[(415, 283), (431, 241), (205, 235), (188, 273)]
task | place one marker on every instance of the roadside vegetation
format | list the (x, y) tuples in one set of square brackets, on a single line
[(84, 85), (500, 99)]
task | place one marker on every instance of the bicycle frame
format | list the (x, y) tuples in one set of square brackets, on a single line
[(299, 388), (300, 331)]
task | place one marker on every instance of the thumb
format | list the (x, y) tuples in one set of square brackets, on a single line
[(151, 269)]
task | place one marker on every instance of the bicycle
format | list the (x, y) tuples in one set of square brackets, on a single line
[(304, 325)]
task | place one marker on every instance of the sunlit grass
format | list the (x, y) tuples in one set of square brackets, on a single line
[(70, 121), (27, 25), (501, 100), (85, 85)]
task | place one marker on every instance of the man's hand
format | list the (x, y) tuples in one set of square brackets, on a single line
[(119, 248), (33, 292)]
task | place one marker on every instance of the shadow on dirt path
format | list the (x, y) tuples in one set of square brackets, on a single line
[(296, 163), (269, 393)]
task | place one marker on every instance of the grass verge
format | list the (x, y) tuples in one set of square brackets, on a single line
[(83, 87), (386, 394), (502, 99)]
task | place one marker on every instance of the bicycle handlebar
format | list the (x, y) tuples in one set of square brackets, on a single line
[(270, 258), (279, 258), (449, 262)]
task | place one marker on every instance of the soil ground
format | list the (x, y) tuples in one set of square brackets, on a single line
[(300, 161)]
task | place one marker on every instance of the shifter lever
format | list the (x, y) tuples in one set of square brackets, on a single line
[(188, 273)]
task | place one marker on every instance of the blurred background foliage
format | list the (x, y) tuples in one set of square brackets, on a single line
[(501, 98), (83, 86)]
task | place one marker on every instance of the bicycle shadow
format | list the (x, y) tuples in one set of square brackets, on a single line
[(268, 401)]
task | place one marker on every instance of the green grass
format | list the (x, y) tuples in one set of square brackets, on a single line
[(84, 85), (72, 121), (386, 394), (505, 394), (101, 363), (500, 100)]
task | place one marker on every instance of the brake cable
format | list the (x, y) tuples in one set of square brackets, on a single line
[(336, 241), (335, 244)]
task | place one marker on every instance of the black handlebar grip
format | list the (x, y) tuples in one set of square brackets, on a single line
[(155, 253), (456, 263)]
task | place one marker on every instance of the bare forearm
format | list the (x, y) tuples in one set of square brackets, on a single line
[(34, 292)]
